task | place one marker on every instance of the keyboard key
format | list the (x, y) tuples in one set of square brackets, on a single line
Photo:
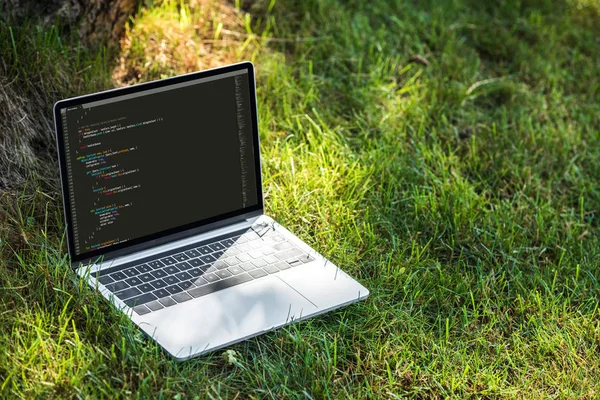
[(199, 281), (248, 266), (208, 259), (192, 253), (186, 285), (227, 242), (259, 262), (105, 280), (143, 268), (235, 270), (271, 269), (171, 270), (243, 248), (159, 283), (196, 262), (255, 254), (231, 261), (141, 310), (269, 241), (168, 261), (271, 259), (223, 274), (211, 277), (217, 254), (232, 251), (210, 269), (174, 289), (277, 238), (257, 273), (118, 276), (220, 265), (282, 246), (167, 302), (286, 254), (159, 273), (145, 298), (181, 297), (256, 244), (146, 288), (217, 246), (282, 265), (156, 264), (224, 284), (204, 250), (196, 272), (131, 272), (146, 277), (155, 305), (134, 281), (117, 286), (127, 293), (183, 266), (244, 257), (171, 280), (182, 276), (267, 250), (161, 293), (181, 257), (250, 236)]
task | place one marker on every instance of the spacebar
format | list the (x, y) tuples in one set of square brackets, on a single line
[(220, 285)]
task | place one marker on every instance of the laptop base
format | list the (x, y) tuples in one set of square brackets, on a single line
[(245, 310)]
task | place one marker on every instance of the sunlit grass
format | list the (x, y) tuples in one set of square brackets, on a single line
[(177, 38), (443, 153)]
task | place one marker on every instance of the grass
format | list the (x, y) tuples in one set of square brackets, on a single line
[(460, 186)]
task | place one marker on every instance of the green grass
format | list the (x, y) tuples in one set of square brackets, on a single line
[(463, 193)]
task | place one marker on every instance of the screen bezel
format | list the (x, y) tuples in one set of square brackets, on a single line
[(179, 232)]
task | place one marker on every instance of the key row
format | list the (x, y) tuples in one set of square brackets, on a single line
[(196, 262)]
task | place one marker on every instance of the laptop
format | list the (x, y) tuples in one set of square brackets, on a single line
[(164, 212)]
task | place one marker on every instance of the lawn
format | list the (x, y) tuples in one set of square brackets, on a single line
[(444, 153)]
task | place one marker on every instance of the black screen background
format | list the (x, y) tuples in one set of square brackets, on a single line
[(188, 164)]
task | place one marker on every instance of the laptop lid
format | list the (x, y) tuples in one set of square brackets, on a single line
[(150, 163)]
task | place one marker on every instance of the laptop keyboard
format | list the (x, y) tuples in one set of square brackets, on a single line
[(181, 275)]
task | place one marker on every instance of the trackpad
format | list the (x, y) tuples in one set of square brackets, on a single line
[(223, 317)]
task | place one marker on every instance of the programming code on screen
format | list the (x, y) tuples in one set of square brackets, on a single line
[(146, 162)]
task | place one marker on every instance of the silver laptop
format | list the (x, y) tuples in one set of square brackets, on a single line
[(164, 211)]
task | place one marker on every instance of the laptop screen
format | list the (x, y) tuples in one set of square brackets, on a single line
[(144, 163)]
